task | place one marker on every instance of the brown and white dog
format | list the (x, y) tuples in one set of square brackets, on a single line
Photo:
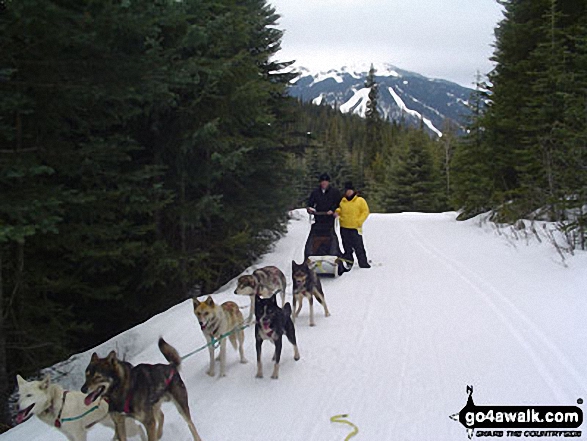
[(215, 321), (138, 391), (306, 284), (264, 282)]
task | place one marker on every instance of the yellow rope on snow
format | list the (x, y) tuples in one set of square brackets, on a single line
[(340, 419)]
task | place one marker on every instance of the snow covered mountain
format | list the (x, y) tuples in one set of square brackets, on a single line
[(402, 94)]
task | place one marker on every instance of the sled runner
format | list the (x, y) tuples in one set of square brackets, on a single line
[(322, 249)]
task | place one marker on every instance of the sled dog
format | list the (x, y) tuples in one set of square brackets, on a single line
[(55, 406), (138, 391), (264, 282), (216, 320), (306, 284), (271, 322)]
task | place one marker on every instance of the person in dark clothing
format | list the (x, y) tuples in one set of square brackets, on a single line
[(322, 203), (353, 212)]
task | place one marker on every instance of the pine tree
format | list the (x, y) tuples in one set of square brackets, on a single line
[(473, 163), (374, 122), (140, 157), (411, 181), (510, 89)]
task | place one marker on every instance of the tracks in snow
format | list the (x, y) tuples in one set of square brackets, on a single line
[(534, 342)]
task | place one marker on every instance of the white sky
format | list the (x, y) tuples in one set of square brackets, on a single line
[(448, 39)]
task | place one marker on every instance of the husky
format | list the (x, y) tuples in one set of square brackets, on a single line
[(271, 322), (264, 282), (306, 284), (216, 320), (138, 391), (55, 406)]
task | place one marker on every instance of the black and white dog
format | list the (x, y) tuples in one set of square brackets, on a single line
[(271, 322)]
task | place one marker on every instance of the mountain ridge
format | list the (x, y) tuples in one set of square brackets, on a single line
[(404, 96)]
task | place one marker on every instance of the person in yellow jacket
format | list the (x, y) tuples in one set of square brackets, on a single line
[(353, 211)]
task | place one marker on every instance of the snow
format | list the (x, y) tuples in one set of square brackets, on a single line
[(446, 304), (357, 71), (318, 100), (335, 75), (432, 109), (357, 103), (415, 113)]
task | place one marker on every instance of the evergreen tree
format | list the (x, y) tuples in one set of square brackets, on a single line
[(544, 120), (374, 121), (139, 150), (529, 158), (411, 181), (473, 185)]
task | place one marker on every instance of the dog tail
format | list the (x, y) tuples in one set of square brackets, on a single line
[(287, 310), (169, 353)]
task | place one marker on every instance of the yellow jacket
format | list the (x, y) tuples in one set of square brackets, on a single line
[(353, 213)]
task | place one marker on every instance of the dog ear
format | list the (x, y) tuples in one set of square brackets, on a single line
[(94, 357), (45, 381), (111, 357), (274, 298), (196, 302), (19, 380), (210, 301)]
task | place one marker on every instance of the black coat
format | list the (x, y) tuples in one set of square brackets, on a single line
[(323, 201)]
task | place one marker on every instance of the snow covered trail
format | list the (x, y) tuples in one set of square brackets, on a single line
[(446, 305)]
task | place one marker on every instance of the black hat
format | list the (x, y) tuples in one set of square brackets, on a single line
[(324, 177), (348, 185)]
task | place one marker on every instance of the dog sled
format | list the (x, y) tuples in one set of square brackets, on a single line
[(322, 249)]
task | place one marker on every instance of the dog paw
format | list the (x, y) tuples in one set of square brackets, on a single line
[(211, 373), (312, 324), (259, 376), (222, 374), (275, 377), (296, 357), (244, 361), (327, 314)]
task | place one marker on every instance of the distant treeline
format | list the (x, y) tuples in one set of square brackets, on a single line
[(396, 167)]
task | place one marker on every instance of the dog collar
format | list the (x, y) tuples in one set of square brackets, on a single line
[(58, 419)]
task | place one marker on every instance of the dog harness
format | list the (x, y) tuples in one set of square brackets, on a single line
[(58, 419), (130, 395)]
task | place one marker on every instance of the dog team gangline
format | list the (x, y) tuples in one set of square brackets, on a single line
[(215, 342)]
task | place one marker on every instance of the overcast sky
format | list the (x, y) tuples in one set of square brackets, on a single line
[(448, 39)]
